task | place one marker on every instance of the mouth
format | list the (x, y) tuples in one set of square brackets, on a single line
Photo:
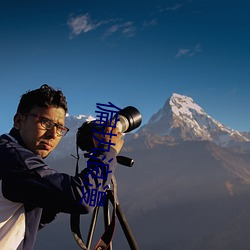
[(46, 145)]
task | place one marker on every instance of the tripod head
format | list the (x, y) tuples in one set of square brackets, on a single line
[(122, 160)]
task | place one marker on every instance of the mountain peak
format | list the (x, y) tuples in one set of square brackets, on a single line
[(182, 104), (182, 119)]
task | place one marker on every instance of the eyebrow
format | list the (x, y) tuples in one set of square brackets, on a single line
[(58, 123)]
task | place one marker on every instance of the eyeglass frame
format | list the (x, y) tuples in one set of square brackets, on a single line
[(41, 118)]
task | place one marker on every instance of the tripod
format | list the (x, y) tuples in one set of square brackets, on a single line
[(106, 240)]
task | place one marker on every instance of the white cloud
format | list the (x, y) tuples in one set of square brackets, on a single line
[(127, 29), (182, 52), (197, 49), (150, 23), (83, 24), (189, 52), (174, 7)]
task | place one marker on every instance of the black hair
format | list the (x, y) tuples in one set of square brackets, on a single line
[(45, 96)]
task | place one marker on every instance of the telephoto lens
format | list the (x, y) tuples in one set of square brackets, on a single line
[(129, 119)]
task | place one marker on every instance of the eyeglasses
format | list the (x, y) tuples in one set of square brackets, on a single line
[(49, 124)]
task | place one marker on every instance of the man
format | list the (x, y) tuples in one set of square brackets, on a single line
[(28, 187)]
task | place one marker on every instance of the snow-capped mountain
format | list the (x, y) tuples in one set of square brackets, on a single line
[(182, 119)]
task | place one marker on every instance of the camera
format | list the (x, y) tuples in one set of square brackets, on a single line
[(127, 120)]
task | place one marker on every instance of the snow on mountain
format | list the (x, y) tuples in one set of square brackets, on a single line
[(182, 119)]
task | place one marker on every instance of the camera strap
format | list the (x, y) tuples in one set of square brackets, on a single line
[(75, 218)]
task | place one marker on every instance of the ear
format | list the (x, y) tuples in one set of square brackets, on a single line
[(18, 119)]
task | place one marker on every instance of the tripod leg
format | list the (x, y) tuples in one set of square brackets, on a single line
[(106, 215), (125, 226), (92, 227)]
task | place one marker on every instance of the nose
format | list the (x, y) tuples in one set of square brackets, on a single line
[(52, 133)]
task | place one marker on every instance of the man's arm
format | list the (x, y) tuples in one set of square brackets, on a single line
[(29, 180)]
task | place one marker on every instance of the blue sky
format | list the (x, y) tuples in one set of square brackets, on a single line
[(129, 53)]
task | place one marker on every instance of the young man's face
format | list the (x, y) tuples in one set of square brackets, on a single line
[(35, 137)]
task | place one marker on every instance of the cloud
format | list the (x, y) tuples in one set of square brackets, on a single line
[(182, 52), (150, 23), (83, 24), (127, 29), (174, 7), (189, 52)]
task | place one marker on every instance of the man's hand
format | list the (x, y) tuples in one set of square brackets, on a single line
[(117, 140)]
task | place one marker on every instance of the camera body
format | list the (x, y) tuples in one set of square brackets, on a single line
[(127, 120)]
